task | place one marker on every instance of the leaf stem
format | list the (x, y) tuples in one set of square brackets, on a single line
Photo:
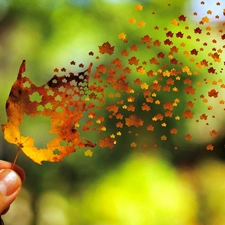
[(16, 156)]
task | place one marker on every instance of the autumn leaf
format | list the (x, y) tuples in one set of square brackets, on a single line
[(210, 147), (106, 48), (132, 20), (122, 36), (139, 7), (133, 120), (88, 153), (63, 116), (107, 142)]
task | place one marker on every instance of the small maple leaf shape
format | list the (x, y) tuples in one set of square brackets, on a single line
[(106, 48), (63, 121)]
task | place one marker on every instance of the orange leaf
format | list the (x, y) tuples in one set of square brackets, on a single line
[(52, 98), (106, 48)]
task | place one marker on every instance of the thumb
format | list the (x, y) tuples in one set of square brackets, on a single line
[(10, 185)]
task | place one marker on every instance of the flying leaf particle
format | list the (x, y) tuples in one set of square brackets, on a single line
[(106, 48), (188, 137), (150, 127), (173, 131), (175, 22), (210, 147), (164, 138), (133, 120), (213, 133), (141, 23), (133, 144), (88, 153), (139, 7), (106, 142), (132, 20), (122, 36), (213, 93), (187, 114)]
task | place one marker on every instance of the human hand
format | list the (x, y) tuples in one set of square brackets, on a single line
[(10, 184)]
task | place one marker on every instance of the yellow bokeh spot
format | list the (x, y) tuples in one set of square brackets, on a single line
[(177, 118), (118, 133), (163, 124), (112, 136)]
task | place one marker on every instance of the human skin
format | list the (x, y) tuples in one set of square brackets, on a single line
[(11, 180)]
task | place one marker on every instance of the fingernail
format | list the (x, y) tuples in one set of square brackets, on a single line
[(9, 182)]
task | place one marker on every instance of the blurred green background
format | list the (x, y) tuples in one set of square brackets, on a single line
[(113, 187)]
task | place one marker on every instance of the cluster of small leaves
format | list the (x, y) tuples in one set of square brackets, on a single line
[(134, 88), (203, 69)]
